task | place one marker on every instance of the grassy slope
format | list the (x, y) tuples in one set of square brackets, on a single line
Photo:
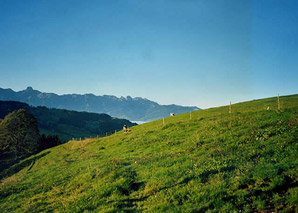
[(246, 160)]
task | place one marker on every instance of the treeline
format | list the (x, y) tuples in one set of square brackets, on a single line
[(67, 124), (71, 124), (20, 137)]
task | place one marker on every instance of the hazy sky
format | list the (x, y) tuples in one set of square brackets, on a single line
[(187, 52)]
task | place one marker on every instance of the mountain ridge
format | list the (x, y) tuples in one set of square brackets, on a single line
[(135, 109)]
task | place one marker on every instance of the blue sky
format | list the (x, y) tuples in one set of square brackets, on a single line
[(187, 52)]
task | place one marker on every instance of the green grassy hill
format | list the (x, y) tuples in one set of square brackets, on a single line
[(246, 160)]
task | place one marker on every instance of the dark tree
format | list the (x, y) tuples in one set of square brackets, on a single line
[(4, 142), (49, 141), (19, 133)]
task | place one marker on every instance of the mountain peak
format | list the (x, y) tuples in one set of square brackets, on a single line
[(29, 89)]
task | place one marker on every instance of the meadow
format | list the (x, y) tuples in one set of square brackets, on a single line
[(216, 161)]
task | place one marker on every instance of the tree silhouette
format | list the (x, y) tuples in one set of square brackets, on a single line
[(19, 133)]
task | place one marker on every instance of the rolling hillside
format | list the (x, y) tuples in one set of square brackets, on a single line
[(243, 161), (67, 124)]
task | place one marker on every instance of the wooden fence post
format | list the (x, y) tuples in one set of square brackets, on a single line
[(278, 103), (230, 110)]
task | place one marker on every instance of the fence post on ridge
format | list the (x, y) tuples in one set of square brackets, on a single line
[(230, 110), (278, 103)]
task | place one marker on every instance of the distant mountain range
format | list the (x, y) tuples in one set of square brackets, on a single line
[(134, 109), (67, 124)]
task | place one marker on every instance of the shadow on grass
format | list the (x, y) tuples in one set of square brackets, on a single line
[(128, 204), (20, 165), (205, 175)]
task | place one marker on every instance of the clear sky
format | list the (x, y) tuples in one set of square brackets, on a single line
[(189, 52)]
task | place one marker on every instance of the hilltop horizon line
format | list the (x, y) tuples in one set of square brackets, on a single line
[(127, 97)]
